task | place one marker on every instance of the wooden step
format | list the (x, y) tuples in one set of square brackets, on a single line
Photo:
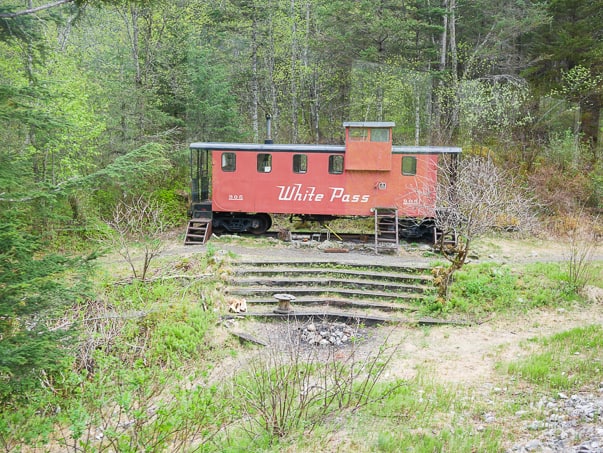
[(333, 286), (337, 302), (445, 239), (198, 231), (257, 291), (330, 284), (403, 274)]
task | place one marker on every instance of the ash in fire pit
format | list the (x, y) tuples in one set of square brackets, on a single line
[(329, 333)]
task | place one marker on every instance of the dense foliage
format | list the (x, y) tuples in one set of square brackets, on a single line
[(35, 291)]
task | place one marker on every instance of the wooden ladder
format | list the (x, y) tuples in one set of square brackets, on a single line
[(198, 231), (386, 228)]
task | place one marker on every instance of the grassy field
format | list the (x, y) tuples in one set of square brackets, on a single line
[(155, 370)]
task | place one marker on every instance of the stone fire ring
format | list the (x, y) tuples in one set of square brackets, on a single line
[(284, 303)]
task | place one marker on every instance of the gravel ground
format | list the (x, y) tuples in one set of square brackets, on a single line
[(571, 424)]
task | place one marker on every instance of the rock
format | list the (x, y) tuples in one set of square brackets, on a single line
[(535, 425), (489, 418), (571, 425), (327, 333), (533, 445)]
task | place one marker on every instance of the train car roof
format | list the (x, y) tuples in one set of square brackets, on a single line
[(426, 150), (219, 146), (369, 124)]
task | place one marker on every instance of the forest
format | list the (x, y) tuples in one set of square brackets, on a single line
[(99, 100)]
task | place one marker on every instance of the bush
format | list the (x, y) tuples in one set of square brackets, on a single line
[(293, 387), (172, 203), (560, 192)]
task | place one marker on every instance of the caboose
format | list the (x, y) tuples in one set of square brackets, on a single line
[(236, 187)]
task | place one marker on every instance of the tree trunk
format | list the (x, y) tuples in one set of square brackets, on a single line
[(438, 110), (294, 125), (444, 276), (417, 115), (454, 114), (444, 38)]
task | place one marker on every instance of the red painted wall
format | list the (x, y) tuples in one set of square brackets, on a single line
[(317, 192)]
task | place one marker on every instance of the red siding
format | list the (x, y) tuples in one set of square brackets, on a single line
[(318, 192)]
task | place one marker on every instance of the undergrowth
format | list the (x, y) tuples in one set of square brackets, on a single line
[(414, 414), (482, 289), (131, 381)]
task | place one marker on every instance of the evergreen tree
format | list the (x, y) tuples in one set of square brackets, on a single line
[(35, 290), (572, 40)]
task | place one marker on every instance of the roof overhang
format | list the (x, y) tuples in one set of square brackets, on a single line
[(369, 124)]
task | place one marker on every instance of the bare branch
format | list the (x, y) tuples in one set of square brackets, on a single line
[(137, 224), (26, 12), (473, 197)]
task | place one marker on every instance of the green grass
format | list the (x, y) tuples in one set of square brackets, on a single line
[(568, 360), (597, 274), (481, 289), (141, 346), (416, 415)]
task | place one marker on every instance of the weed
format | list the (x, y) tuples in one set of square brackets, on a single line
[(566, 360), (402, 419), (583, 243), (298, 388)]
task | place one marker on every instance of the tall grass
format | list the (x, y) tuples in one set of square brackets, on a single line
[(129, 386), (423, 415)]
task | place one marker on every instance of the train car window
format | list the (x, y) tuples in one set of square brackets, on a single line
[(409, 165), (300, 163), (335, 164), (358, 134), (264, 163), (229, 161), (379, 134)]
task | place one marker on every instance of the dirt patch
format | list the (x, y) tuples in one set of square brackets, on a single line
[(468, 355), (593, 294)]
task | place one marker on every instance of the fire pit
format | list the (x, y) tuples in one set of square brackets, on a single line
[(284, 303), (328, 333)]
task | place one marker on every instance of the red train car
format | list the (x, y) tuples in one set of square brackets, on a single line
[(238, 186)]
